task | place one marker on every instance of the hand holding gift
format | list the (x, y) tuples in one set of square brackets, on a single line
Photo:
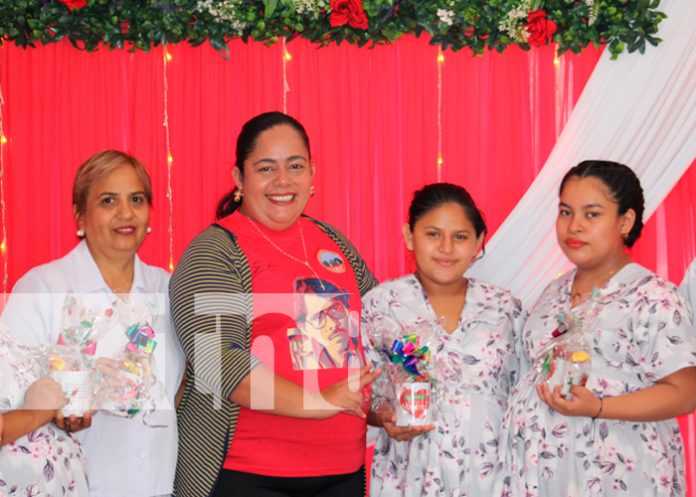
[(407, 387), (387, 419), (566, 360), (70, 361), (126, 379), (45, 394), (67, 367)]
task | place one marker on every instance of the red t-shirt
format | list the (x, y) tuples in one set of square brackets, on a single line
[(307, 334)]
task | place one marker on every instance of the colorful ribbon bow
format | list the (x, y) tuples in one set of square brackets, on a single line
[(141, 339), (409, 353)]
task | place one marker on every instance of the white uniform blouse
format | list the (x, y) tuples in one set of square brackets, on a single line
[(125, 457)]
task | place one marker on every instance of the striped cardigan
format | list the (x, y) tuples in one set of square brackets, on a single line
[(218, 361)]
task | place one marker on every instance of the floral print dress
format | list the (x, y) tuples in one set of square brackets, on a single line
[(46, 462), (477, 365), (642, 334)]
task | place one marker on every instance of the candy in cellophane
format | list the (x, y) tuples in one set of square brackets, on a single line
[(70, 361), (405, 384), (124, 390), (67, 366), (566, 361)]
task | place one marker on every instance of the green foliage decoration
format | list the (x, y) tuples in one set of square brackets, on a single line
[(456, 24)]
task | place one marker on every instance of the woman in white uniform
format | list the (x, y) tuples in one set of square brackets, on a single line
[(112, 196)]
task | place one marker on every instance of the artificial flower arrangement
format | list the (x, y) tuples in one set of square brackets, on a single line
[(455, 24)]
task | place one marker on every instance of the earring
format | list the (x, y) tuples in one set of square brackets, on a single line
[(312, 191), (80, 233), (238, 195), (624, 236), (148, 230)]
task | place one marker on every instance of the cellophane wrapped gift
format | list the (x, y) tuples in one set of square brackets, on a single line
[(405, 383), (67, 366), (70, 362), (566, 360), (125, 391)]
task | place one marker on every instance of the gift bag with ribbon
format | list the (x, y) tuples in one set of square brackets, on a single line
[(406, 381), (71, 360), (566, 360), (126, 379)]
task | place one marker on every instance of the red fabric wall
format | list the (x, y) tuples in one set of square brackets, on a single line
[(371, 115)]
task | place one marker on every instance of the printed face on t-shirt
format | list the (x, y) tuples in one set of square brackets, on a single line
[(326, 335)]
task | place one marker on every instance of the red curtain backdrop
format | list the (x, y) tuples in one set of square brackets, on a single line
[(372, 116)]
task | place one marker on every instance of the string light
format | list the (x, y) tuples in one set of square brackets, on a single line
[(558, 83), (166, 57), (440, 161), (3, 243), (287, 57)]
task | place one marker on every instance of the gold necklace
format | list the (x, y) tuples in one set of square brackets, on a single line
[(304, 262)]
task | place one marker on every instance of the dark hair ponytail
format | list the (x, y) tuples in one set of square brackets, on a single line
[(246, 141), (227, 205)]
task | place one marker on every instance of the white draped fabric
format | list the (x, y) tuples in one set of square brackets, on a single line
[(688, 287), (639, 110)]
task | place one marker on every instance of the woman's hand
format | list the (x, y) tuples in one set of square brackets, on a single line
[(73, 423), (582, 403), (45, 394), (386, 417), (41, 401), (344, 396), (111, 373)]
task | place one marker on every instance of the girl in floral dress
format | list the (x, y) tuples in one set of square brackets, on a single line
[(617, 435), (474, 348)]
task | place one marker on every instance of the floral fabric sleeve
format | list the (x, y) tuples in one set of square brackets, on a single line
[(518, 317), (664, 331)]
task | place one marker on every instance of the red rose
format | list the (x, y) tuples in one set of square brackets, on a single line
[(348, 12), (469, 33), (74, 4), (539, 28)]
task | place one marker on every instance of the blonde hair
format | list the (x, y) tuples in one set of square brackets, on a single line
[(100, 165)]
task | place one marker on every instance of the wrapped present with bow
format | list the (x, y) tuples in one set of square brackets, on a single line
[(126, 379), (406, 383), (82, 325), (70, 362), (566, 360), (67, 366)]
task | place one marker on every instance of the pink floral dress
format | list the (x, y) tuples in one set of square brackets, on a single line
[(477, 366), (642, 334), (46, 462)]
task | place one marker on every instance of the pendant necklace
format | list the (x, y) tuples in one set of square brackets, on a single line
[(304, 262)]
